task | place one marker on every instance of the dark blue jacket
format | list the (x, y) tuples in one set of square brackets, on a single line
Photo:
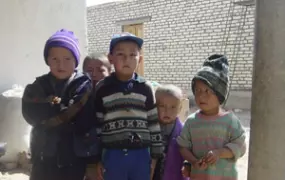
[(71, 139)]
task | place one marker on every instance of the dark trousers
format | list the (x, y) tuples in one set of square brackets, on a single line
[(49, 170), (124, 164)]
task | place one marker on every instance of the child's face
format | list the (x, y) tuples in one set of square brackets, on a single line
[(205, 98), (125, 58), (168, 108), (61, 62), (96, 69)]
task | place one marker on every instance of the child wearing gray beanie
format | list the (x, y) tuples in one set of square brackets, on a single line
[(212, 139), (215, 73)]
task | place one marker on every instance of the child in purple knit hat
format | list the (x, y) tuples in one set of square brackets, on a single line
[(59, 107), (65, 44)]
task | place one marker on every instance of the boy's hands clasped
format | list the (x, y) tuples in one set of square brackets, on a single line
[(200, 164), (210, 158)]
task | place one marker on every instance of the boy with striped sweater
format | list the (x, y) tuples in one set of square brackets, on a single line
[(125, 106)]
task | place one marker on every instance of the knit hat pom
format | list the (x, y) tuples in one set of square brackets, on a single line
[(66, 31), (218, 62)]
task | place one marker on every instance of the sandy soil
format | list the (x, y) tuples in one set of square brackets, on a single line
[(16, 176), (243, 162)]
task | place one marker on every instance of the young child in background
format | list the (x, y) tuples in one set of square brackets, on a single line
[(125, 105), (212, 139), (59, 107), (98, 66), (168, 99)]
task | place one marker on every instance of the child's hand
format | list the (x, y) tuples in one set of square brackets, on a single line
[(100, 171), (91, 173), (212, 157), (201, 164), (186, 171), (54, 99), (152, 168)]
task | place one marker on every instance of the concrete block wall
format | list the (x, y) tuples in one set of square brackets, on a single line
[(180, 34)]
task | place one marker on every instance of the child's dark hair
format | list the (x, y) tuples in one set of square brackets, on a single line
[(102, 57)]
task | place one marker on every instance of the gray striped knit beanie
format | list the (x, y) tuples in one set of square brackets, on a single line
[(215, 74)]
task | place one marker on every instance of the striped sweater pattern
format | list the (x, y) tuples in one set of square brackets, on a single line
[(126, 108), (201, 134)]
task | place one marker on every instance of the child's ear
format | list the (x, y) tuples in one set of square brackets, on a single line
[(110, 58), (140, 59), (180, 107)]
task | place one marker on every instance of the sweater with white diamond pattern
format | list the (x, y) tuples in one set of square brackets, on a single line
[(127, 108)]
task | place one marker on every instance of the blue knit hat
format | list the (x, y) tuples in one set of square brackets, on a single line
[(66, 39)]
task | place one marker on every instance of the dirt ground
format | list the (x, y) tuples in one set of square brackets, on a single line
[(242, 163), (16, 176)]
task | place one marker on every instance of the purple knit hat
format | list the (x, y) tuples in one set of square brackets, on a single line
[(66, 39)]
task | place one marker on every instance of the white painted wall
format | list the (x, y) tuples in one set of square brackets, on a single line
[(25, 25)]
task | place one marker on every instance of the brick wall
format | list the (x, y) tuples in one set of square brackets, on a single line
[(180, 35)]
